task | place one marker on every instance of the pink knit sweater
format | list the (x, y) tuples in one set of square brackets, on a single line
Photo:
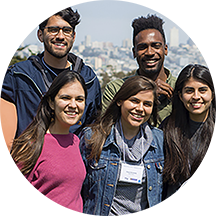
[(60, 171)]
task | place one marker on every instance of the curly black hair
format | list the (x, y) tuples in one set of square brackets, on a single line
[(150, 22)]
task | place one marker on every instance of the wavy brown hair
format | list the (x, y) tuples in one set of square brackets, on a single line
[(102, 127), (176, 130), (27, 147)]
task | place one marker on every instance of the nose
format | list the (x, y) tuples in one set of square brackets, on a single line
[(196, 95), (60, 34), (149, 51), (139, 107), (72, 103)]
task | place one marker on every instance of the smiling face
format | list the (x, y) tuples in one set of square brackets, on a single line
[(136, 110), (150, 51), (57, 45), (196, 97), (68, 107)]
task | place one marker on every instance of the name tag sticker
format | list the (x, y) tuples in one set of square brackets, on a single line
[(131, 173)]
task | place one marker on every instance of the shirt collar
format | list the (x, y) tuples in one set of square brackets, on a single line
[(167, 71)]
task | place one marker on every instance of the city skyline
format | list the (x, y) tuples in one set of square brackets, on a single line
[(111, 20)]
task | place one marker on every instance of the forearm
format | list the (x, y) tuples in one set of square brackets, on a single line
[(8, 121)]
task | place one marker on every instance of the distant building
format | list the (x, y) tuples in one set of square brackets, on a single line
[(126, 43), (182, 61), (202, 40), (29, 50), (88, 40), (174, 37), (108, 44), (207, 48), (81, 47), (96, 44), (97, 62)]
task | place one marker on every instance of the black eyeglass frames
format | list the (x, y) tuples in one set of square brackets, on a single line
[(54, 30)]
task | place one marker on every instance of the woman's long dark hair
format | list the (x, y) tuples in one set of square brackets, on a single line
[(178, 144), (102, 127), (27, 147)]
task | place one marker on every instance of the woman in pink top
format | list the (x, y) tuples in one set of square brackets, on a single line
[(46, 152)]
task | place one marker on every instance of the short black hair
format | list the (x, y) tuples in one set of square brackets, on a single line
[(150, 22), (68, 15)]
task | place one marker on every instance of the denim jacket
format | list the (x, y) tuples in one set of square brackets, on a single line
[(101, 179)]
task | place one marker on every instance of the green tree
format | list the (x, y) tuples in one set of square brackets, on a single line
[(17, 58), (105, 80)]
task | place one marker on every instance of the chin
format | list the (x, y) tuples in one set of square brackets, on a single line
[(152, 71)]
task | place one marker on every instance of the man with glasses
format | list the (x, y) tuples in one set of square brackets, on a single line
[(26, 82)]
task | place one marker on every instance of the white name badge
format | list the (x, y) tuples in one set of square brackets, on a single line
[(131, 173)]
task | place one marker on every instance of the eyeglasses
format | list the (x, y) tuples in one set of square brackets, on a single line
[(54, 30)]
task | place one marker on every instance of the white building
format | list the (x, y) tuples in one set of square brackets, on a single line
[(126, 43), (81, 48), (97, 62), (88, 40), (174, 37), (96, 44)]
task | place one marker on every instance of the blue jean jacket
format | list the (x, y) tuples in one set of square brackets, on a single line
[(101, 179)]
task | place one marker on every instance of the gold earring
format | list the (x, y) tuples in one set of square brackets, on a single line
[(52, 116), (118, 103)]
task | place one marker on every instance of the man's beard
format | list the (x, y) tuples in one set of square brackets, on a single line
[(57, 54), (152, 73)]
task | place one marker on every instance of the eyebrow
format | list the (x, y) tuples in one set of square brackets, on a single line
[(139, 99), (148, 102), (154, 42), (189, 87), (66, 95)]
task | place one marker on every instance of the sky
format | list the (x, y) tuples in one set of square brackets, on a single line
[(110, 20)]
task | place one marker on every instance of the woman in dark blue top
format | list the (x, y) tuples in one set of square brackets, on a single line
[(189, 128)]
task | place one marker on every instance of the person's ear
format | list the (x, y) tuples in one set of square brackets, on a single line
[(40, 35), (180, 96), (119, 103), (166, 49), (134, 53), (51, 103), (74, 36)]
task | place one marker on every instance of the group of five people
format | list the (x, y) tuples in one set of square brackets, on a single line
[(122, 155)]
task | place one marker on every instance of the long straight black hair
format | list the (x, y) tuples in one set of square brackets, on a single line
[(176, 129)]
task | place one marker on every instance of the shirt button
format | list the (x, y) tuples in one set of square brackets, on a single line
[(150, 188), (148, 166)]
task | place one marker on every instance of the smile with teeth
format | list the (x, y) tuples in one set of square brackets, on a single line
[(71, 113), (150, 61), (196, 105), (59, 44), (137, 116)]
